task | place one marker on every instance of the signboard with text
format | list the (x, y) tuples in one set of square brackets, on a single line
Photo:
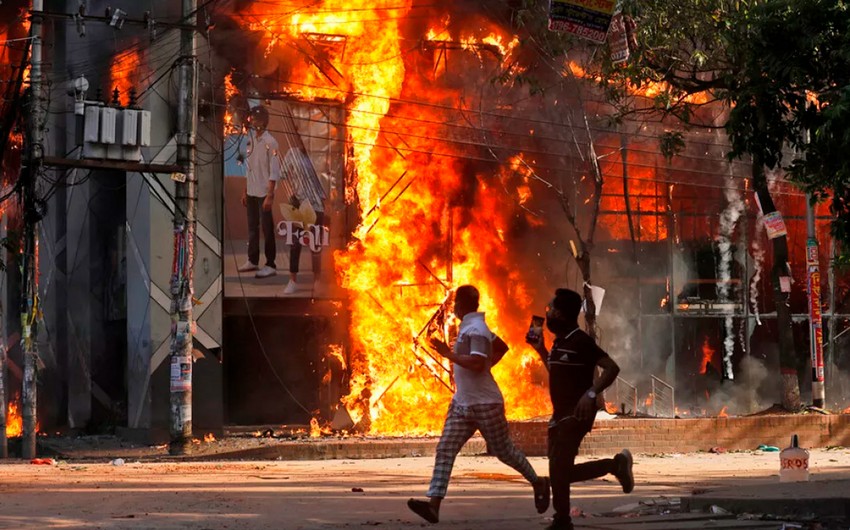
[(588, 19)]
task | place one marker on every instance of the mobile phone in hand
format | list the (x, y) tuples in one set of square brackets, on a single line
[(535, 330)]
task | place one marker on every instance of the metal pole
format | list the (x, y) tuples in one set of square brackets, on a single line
[(4, 442), (4, 445), (831, 324), (29, 300), (815, 317), (184, 239), (671, 268)]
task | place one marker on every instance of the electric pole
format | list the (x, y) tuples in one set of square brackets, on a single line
[(815, 316), (182, 327), (31, 212)]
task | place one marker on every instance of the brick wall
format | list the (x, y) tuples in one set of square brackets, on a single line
[(691, 435)]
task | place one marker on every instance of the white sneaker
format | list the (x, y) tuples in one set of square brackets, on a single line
[(265, 272), (291, 287), (247, 267)]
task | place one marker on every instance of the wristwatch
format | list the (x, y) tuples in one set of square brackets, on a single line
[(591, 394)]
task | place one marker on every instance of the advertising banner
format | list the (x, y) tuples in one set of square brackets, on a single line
[(588, 19), (284, 201), (815, 316)]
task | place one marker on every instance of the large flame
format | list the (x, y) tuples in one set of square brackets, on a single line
[(429, 223)]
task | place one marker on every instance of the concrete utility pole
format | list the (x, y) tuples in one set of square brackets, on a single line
[(815, 317), (182, 325), (31, 213)]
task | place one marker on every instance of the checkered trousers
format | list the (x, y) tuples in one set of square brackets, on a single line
[(461, 424)]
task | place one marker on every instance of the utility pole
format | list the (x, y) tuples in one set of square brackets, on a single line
[(182, 324), (815, 317), (31, 212)]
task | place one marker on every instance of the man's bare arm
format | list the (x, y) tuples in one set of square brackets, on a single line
[(610, 371)]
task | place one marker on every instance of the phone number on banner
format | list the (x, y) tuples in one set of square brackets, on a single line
[(571, 27)]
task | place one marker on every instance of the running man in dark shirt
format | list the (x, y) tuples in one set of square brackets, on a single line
[(572, 364)]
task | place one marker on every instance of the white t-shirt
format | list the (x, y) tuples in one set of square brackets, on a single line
[(475, 388), (262, 163)]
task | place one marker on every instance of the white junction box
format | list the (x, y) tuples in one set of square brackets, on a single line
[(108, 117), (115, 133)]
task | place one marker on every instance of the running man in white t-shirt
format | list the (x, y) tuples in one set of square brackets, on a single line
[(477, 405)]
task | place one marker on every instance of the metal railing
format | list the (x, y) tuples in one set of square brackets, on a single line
[(663, 399), (625, 396)]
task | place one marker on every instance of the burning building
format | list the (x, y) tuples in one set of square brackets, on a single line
[(438, 145)]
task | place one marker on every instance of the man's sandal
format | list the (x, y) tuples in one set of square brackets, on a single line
[(541, 495)]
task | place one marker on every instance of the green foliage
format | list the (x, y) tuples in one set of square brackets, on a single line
[(671, 143), (763, 58)]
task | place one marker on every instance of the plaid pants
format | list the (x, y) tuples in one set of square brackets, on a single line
[(461, 424)]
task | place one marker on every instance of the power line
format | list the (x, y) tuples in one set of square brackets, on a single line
[(532, 163)]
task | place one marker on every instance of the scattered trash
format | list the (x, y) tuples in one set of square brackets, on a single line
[(718, 450), (118, 462), (768, 448), (575, 511), (357, 490), (717, 510), (43, 462), (789, 526), (626, 508), (268, 433)]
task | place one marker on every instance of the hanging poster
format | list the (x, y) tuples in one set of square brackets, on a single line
[(774, 225), (588, 19)]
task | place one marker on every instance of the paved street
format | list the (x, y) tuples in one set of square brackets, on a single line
[(318, 494)]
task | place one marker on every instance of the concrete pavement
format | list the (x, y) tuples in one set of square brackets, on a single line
[(319, 495)]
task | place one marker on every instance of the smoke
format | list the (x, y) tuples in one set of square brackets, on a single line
[(756, 390), (728, 220), (758, 263)]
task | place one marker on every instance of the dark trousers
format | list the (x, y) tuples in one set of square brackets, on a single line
[(295, 252), (256, 216), (564, 440)]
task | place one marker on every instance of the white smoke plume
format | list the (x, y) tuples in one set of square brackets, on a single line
[(758, 263), (728, 220)]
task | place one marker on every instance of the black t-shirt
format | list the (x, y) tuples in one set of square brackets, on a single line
[(572, 363)]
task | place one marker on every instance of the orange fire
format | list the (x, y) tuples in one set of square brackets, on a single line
[(649, 400), (397, 271), (707, 355), (650, 89), (14, 419), (209, 438), (722, 413), (125, 73), (611, 408)]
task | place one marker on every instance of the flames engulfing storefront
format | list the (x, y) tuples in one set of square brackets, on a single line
[(440, 166)]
